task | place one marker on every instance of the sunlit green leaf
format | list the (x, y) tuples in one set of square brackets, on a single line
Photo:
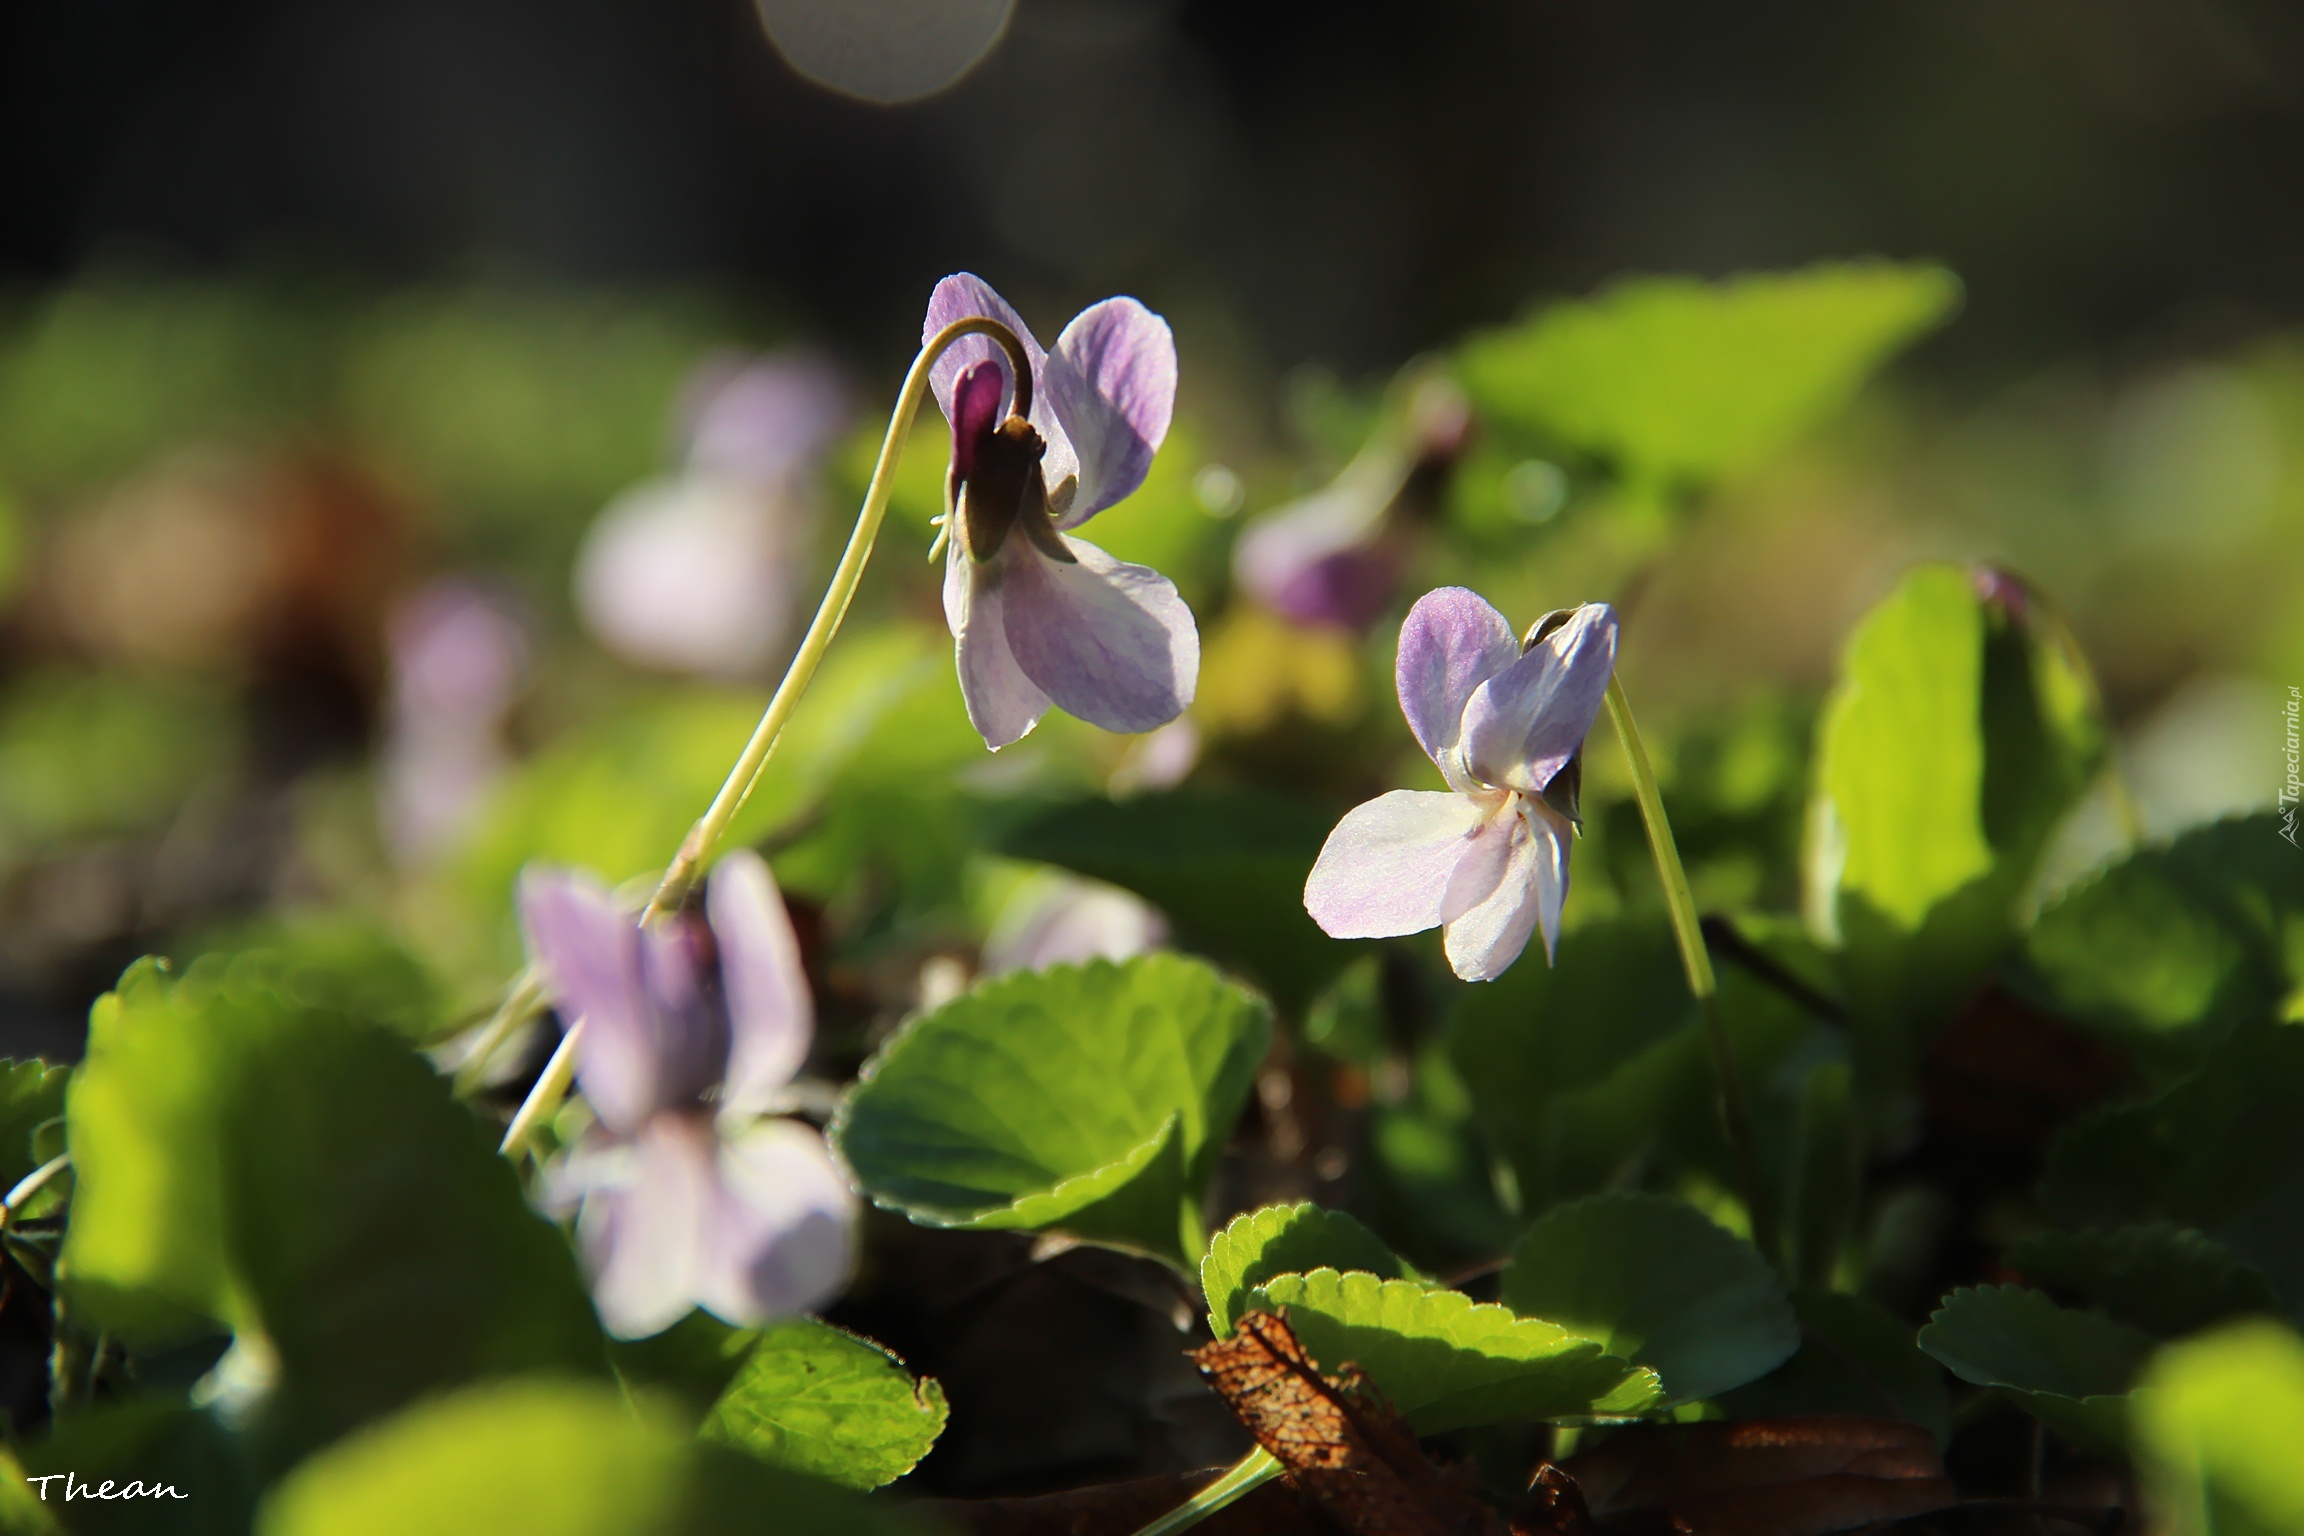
[(2217, 1424), (1094, 1098), (341, 963), (2071, 1370), (557, 1457), (1957, 736), (1449, 1362), (2172, 947), (305, 1179), (31, 1094), (1682, 380), (1854, 1358), (1656, 1282), (814, 1399), (1227, 868), (2165, 1279), (1282, 1240)]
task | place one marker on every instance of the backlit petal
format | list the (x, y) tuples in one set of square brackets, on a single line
[(1387, 867), (1109, 642), (590, 953), (770, 1015), (783, 1236), (644, 1238), (1003, 704), (963, 296), (1523, 724), (1451, 643), (1484, 941), (1112, 383)]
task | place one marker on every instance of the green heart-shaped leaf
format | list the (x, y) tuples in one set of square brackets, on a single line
[(1448, 1362), (563, 1457), (2162, 1278), (817, 1400), (1285, 1240), (2071, 1370), (2171, 948), (1093, 1098), (307, 1180), (1683, 380), (2217, 1423), (1657, 1282)]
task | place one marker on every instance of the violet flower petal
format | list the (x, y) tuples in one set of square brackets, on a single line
[(1109, 642), (772, 418), (770, 1015), (1522, 725), (1387, 867), (643, 1236), (976, 402), (1451, 643), (687, 1027), (590, 952), (782, 1239), (695, 573), (1485, 939), (1112, 383), (1316, 561), (963, 296), (1003, 704)]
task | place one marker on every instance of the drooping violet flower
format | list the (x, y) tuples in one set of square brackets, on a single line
[(688, 1197), (698, 571), (459, 655), (1335, 557), (1487, 859), (1039, 618)]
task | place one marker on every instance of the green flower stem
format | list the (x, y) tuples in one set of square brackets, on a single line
[(1249, 1473), (1680, 902), (30, 1185), (703, 839), (522, 1003)]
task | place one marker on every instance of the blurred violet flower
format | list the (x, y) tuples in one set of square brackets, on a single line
[(1487, 859), (1039, 618), (688, 1196), (459, 656), (1335, 557), (1067, 920), (698, 571)]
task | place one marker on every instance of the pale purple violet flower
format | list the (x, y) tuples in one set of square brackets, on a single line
[(459, 657), (1039, 618), (1334, 558), (1487, 859), (698, 571), (1069, 921), (688, 1196)]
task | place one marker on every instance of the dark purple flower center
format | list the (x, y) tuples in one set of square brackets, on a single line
[(996, 482)]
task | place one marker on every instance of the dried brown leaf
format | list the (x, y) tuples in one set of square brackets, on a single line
[(1765, 1477), (1344, 1447)]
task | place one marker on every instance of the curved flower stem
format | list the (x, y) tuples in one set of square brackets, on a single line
[(1249, 1473), (1680, 902), (30, 1185), (703, 839)]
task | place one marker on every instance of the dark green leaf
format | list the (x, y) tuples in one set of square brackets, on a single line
[(2165, 1279), (1092, 1098), (557, 1457), (1227, 868), (152, 1443), (1854, 1358), (813, 1399), (1283, 1240), (2221, 1151), (1448, 1362), (2072, 1370), (1827, 1174), (31, 1094), (1656, 1282), (2173, 947), (306, 1180)]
